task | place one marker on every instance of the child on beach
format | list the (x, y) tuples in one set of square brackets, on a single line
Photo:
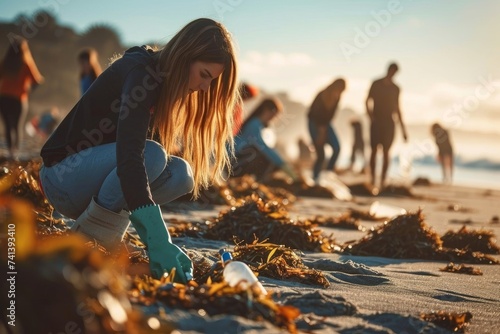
[(358, 144), (320, 116), (18, 74), (101, 166), (445, 151), (253, 155)]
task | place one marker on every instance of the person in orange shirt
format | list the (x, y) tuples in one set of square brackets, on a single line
[(18, 73)]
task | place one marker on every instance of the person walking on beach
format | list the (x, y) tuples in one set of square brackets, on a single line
[(101, 167), (18, 75), (320, 117), (253, 155), (382, 105), (445, 151), (89, 68)]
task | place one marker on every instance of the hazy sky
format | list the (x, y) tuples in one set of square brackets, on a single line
[(447, 50)]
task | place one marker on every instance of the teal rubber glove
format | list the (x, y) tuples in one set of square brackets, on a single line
[(163, 254)]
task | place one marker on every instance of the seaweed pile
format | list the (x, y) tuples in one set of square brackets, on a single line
[(364, 215), (21, 181), (62, 283), (279, 262), (461, 269), (455, 322), (86, 285), (478, 241), (214, 298), (344, 221), (256, 219), (408, 237), (301, 188), (240, 187), (363, 189)]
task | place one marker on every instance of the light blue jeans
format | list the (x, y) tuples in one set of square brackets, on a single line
[(332, 140), (70, 185)]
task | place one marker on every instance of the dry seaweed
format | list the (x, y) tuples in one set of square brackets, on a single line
[(264, 259), (455, 322), (396, 191), (458, 208), (364, 215), (180, 228), (461, 269), (214, 298), (344, 221), (86, 284), (241, 187), (21, 181), (50, 226), (362, 189), (477, 241), (422, 181), (301, 188), (279, 262), (408, 237), (84, 287), (256, 219)]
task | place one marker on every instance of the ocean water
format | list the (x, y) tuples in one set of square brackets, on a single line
[(480, 173)]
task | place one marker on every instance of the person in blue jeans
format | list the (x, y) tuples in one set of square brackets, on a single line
[(322, 133), (253, 155), (108, 164)]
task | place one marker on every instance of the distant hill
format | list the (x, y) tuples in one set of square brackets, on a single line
[(55, 49)]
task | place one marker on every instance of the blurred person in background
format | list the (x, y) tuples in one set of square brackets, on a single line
[(445, 151), (253, 155), (320, 117), (382, 106), (18, 76), (358, 144), (89, 68)]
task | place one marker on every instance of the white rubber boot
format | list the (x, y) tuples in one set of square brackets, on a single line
[(103, 225)]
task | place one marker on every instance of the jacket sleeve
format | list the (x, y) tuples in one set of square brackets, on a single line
[(254, 137), (132, 130)]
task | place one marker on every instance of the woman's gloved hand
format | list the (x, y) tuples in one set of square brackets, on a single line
[(163, 254)]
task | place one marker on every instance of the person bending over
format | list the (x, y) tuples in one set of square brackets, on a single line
[(101, 166)]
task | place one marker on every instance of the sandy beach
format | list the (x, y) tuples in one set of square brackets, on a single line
[(367, 294), (373, 294)]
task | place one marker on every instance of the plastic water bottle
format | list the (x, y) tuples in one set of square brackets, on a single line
[(238, 273)]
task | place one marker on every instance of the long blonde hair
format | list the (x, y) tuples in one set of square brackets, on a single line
[(200, 123)]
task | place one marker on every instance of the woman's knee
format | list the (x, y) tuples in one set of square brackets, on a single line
[(182, 174), (155, 158)]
